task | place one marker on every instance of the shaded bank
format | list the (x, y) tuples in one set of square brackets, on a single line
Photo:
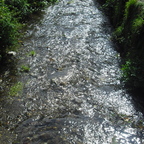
[(127, 17), (13, 15)]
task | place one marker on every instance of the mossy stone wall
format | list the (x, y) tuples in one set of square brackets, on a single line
[(127, 18)]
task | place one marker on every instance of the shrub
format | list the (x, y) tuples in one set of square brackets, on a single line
[(8, 28), (19, 7)]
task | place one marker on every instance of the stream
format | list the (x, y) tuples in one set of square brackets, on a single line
[(72, 93)]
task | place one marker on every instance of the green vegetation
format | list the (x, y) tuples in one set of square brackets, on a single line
[(16, 89), (13, 14), (70, 2), (31, 53), (25, 68), (8, 28), (127, 17)]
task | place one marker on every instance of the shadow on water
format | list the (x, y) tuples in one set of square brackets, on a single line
[(137, 99)]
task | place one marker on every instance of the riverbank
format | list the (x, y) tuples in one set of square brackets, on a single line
[(13, 16), (127, 18)]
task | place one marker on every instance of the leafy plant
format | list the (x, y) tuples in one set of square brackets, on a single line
[(127, 70), (20, 8)]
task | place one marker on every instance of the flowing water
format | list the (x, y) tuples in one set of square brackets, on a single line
[(72, 93)]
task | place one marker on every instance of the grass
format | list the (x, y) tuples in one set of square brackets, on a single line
[(16, 89), (31, 53), (25, 68)]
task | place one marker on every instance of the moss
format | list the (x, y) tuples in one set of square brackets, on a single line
[(129, 7), (137, 24)]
